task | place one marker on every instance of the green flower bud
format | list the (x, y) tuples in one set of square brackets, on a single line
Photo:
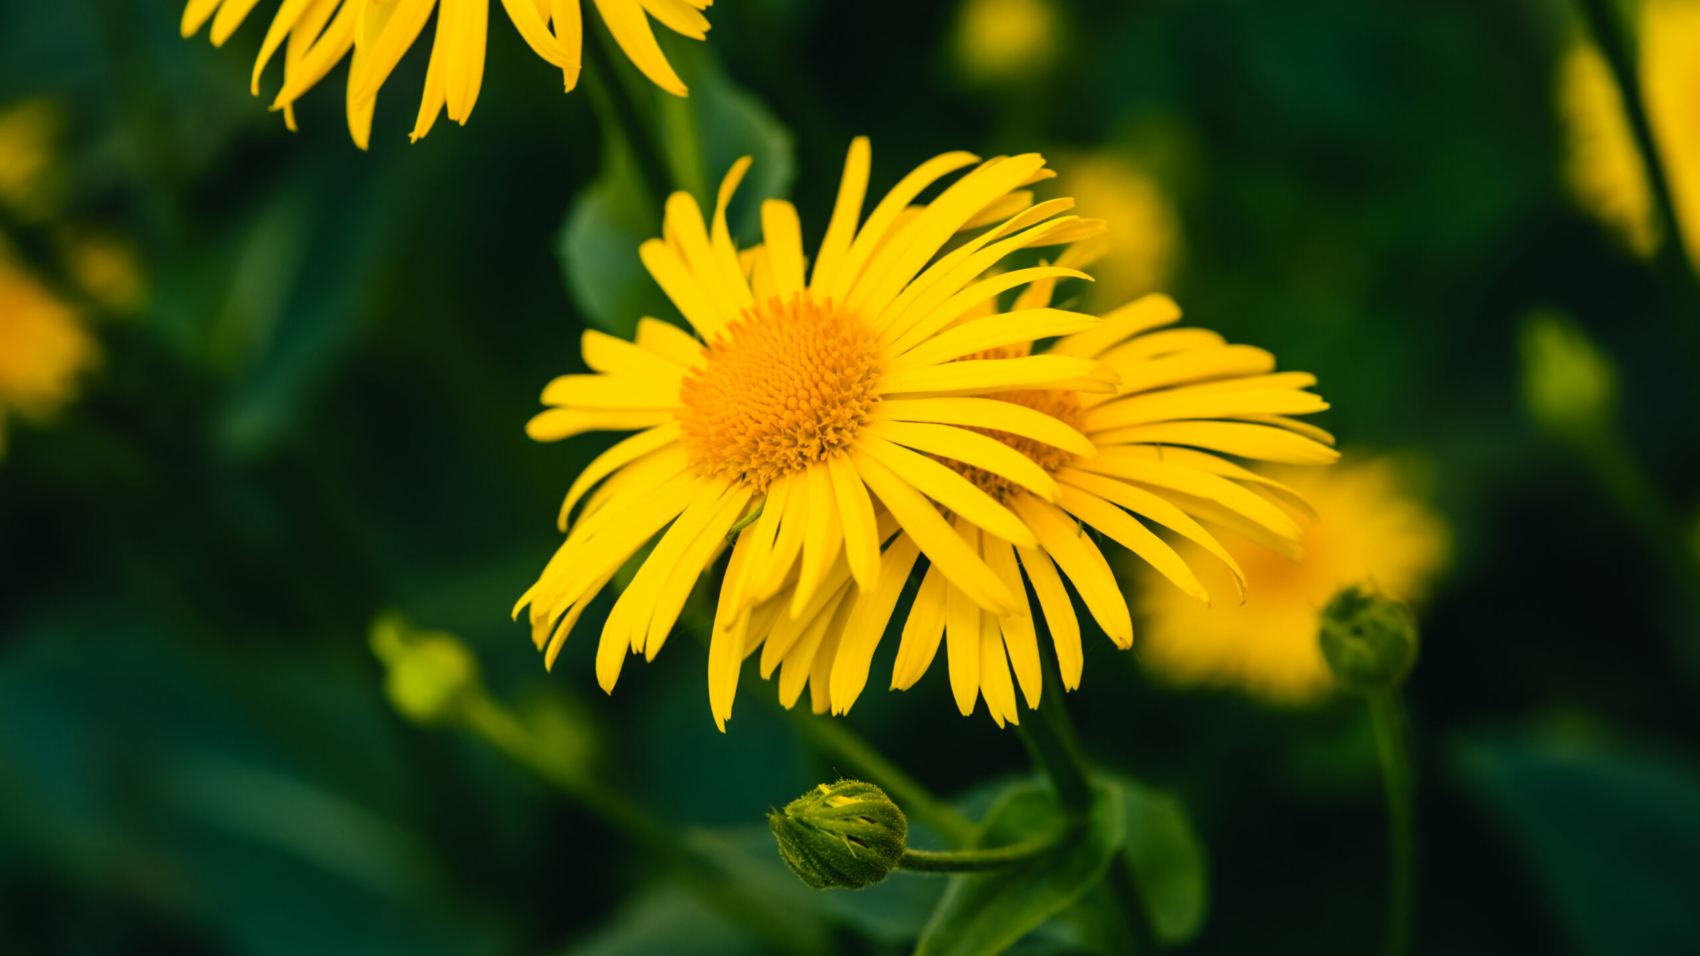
[(1369, 641), (431, 675), (1569, 387), (849, 834)]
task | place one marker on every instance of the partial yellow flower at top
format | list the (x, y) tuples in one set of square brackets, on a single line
[(43, 348), (1604, 167), (30, 185), (1005, 41), (319, 33), (1365, 530), (800, 423), (1142, 245)]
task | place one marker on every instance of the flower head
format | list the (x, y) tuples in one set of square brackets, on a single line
[(1360, 528), (316, 34), (801, 427), (1604, 165), (847, 835), (1153, 459)]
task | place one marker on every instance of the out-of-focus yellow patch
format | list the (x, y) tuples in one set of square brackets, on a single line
[(43, 348), (107, 267), (30, 184), (1143, 245), (1604, 169), (1006, 41), (1368, 530)]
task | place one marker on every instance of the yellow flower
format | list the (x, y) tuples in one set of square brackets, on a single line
[(1004, 41), (1143, 242), (321, 32), (1185, 398), (810, 400), (1364, 531), (43, 348), (1604, 167)]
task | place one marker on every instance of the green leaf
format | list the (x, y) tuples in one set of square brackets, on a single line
[(1167, 860), (703, 136), (1614, 834), (986, 913)]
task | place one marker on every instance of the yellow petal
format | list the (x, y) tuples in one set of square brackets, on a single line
[(921, 632), (970, 448), (992, 332), (630, 26), (625, 452), (1149, 312), (947, 488), (987, 413), (846, 212), (1230, 438), (855, 514), (783, 235), (867, 623), (1080, 559), (1059, 613), (982, 376)]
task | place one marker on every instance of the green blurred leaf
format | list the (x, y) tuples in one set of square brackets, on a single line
[(703, 136), (986, 913), (667, 919), (1614, 835), (1167, 860)]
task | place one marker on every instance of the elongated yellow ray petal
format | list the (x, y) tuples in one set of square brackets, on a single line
[(1080, 559), (947, 488), (970, 448), (921, 632), (1059, 613), (1148, 312), (987, 413)]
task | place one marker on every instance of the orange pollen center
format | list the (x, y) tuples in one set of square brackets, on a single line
[(787, 385), (1061, 405)]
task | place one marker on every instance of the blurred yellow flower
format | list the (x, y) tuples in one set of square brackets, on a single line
[(43, 348), (801, 405), (1569, 387), (106, 267), (1604, 168), (1006, 41), (1365, 530), (321, 32), (1143, 243), (30, 184)]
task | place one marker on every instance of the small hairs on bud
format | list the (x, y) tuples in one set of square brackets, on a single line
[(848, 834), (1369, 641)]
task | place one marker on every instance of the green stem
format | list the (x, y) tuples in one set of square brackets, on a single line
[(617, 107), (1051, 739), (974, 861), (1387, 714), (1614, 43), (509, 735), (863, 759)]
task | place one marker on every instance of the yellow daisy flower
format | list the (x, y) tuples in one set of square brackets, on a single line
[(1185, 398), (1604, 166), (1365, 530), (43, 348), (810, 401), (321, 32)]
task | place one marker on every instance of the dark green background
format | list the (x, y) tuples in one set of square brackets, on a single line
[(320, 415)]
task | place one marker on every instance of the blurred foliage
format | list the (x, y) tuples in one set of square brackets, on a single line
[(317, 409)]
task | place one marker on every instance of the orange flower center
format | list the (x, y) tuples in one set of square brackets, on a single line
[(786, 386)]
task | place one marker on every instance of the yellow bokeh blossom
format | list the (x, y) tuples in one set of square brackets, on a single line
[(1365, 529), (319, 33), (1005, 41), (1603, 167), (1143, 243), (30, 184), (106, 266), (43, 348)]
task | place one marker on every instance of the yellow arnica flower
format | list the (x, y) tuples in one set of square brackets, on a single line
[(1364, 530), (1006, 41), (319, 33), (800, 425), (43, 348), (1185, 398), (1604, 166)]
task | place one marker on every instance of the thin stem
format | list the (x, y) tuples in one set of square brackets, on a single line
[(974, 861), (1051, 739), (616, 106), (1387, 714), (1614, 43), (699, 873)]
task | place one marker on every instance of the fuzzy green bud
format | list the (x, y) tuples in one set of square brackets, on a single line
[(1569, 387), (1369, 641), (848, 834), (431, 675)]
